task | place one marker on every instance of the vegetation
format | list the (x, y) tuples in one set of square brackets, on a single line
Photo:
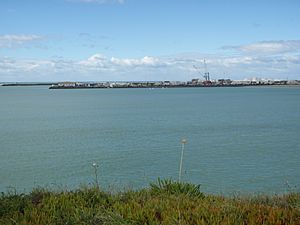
[(164, 202)]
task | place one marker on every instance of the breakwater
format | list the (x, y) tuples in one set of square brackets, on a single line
[(168, 84)]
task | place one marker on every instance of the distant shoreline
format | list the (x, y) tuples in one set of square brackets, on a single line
[(28, 84), (151, 85), (162, 87)]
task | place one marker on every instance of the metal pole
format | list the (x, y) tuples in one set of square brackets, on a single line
[(183, 141), (95, 165)]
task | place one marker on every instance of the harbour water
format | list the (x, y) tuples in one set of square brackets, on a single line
[(239, 139)]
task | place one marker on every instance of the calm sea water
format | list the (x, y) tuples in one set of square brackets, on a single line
[(239, 139)]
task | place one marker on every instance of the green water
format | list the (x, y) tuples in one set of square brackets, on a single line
[(239, 139)]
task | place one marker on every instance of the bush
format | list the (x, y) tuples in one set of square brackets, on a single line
[(168, 186)]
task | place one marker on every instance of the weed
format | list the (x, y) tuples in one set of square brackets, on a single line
[(168, 186)]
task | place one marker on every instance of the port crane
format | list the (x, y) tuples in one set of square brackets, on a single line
[(206, 73)]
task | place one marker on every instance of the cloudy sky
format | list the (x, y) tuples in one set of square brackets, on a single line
[(107, 40)]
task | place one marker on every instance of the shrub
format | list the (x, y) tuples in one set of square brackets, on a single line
[(168, 186)]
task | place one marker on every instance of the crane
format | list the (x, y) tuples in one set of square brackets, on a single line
[(206, 73)]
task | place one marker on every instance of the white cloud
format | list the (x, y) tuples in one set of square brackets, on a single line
[(94, 60), (99, 60), (99, 67), (268, 47), (145, 61), (11, 41), (8, 65)]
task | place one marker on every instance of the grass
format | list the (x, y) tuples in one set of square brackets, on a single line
[(164, 202)]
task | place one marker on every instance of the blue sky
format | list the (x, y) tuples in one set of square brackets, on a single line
[(55, 40)]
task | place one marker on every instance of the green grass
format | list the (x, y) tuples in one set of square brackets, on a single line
[(164, 202)]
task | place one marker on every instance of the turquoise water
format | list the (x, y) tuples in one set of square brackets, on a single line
[(239, 139)]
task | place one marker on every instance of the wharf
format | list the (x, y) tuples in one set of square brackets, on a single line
[(168, 84)]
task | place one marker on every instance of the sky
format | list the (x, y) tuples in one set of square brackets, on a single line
[(148, 40)]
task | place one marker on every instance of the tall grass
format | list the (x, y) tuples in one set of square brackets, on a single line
[(164, 202)]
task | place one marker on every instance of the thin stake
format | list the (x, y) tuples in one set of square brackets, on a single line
[(95, 165), (183, 142)]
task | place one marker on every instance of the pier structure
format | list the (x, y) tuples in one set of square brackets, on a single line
[(196, 82)]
